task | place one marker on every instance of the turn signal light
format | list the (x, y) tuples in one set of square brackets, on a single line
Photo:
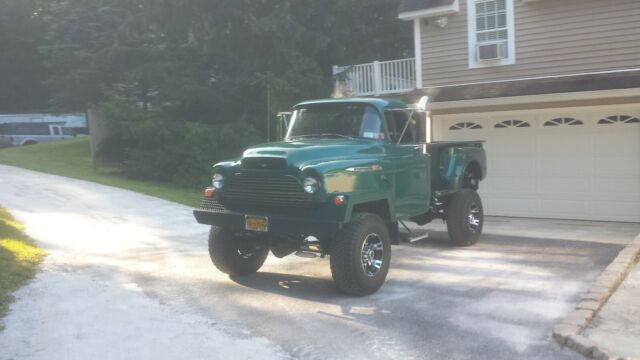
[(208, 192), (338, 200)]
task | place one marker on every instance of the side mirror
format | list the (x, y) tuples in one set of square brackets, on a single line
[(422, 104)]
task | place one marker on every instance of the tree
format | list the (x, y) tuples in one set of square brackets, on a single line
[(205, 64), (22, 73), (203, 59)]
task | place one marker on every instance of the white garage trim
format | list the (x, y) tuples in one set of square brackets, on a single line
[(567, 163), (536, 99)]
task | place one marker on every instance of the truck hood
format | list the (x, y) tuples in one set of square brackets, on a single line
[(310, 152)]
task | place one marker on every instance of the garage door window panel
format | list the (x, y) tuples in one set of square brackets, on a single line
[(512, 124), (467, 125), (619, 119), (563, 121)]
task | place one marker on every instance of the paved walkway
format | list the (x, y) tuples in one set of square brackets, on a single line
[(616, 328)]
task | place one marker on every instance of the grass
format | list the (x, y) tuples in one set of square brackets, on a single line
[(19, 259), (72, 158)]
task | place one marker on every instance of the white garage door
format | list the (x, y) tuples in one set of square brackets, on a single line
[(568, 163)]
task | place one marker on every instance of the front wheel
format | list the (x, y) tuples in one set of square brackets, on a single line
[(360, 255), (234, 254), (465, 217)]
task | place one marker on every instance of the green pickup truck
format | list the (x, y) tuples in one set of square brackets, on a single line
[(347, 173)]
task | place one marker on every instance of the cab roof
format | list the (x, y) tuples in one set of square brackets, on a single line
[(378, 103)]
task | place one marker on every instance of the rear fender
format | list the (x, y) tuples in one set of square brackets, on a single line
[(455, 161)]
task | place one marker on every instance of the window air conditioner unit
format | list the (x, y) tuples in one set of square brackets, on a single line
[(492, 51)]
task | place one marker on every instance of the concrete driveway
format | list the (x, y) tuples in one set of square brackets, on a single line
[(129, 276)]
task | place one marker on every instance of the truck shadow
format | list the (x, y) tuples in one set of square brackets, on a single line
[(321, 288), (291, 285), (498, 262)]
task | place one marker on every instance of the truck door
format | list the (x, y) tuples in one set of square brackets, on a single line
[(411, 182)]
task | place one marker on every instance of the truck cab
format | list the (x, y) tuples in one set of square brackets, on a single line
[(346, 174)]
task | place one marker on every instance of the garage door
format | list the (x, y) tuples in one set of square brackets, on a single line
[(567, 163)]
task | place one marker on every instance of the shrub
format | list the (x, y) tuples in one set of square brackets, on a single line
[(151, 147)]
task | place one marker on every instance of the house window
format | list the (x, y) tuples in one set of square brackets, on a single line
[(465, 125), (563, 121), (511, 123), (491, 33), (619, 119)]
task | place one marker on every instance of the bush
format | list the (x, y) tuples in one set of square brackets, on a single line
[(151, 147)]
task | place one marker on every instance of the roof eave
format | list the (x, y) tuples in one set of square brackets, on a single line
[(432, 12), (379, 103)]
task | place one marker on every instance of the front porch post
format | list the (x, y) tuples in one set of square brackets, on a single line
[(377, 78), (417, 49)]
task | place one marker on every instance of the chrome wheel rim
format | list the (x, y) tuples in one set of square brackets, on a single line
[(474, 217), (245, 254), (372, 255), (246, 250)]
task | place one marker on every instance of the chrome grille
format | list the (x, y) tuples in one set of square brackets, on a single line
[(246, 190), (213, 206)]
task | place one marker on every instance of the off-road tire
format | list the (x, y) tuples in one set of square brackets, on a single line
[(346, 255), (459, 209), (224, 250)]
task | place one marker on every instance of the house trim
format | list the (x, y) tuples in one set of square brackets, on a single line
[(536, 78), (472, 37), (560, 85), (494, 103), (432, 12), (417, 44)]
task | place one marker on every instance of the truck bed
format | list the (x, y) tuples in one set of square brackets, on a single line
[(450, 160)]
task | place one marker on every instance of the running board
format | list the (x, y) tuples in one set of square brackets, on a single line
[(413, 237), (418, 238)]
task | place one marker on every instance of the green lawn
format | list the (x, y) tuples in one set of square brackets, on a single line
[(72, 158), (19, 259)]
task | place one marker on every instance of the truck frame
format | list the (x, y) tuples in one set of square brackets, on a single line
[(348, 172)]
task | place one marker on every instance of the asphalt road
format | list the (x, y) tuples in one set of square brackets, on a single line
[(129, 276)]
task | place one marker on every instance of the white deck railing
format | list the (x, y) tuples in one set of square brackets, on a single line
[(376, 78)]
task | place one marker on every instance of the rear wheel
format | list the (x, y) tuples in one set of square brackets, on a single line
[(360, 255), (234, 254), (465, 217)]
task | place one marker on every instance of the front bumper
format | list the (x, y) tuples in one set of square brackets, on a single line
[(284, 225)]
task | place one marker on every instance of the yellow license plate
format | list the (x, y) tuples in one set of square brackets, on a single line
[(256, 223)]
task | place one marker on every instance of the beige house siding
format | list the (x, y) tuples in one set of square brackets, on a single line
[(551, 38)]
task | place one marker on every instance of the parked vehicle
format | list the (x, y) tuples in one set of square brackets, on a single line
[(347, 173), (5, 141), (17, 134)]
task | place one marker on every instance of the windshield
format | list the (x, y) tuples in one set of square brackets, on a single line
[(336, 120)]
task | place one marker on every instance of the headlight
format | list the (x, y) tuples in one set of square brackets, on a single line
[(311, 185), (218, 181)]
